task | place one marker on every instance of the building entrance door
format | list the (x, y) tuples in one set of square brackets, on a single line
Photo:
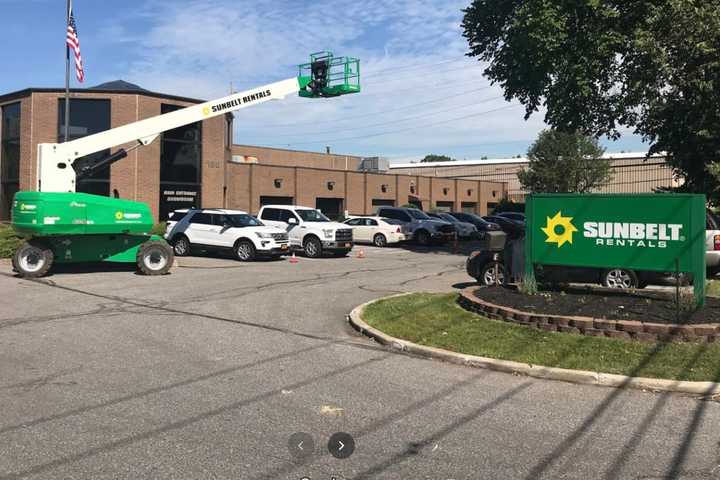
[(331, 207)]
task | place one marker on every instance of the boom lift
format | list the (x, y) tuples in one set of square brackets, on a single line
[(62, 226)]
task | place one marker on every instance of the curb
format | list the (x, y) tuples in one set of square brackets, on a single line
[(584, 377)]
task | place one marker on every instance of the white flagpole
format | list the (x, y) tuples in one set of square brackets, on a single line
[(67, 74)]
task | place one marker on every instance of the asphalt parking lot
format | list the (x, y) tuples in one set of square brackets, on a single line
[(207, 372)]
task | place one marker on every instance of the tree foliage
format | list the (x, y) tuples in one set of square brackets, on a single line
[(437, 158), (597, 66), (562, 162)]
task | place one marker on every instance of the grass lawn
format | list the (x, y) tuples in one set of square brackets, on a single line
[(713, 288), (436, 320), (8, 241)]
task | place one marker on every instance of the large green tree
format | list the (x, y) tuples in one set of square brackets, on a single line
[(562, 162), (436, 158), (597, 66)]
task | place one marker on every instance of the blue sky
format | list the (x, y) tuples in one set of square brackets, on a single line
[(420, 94)]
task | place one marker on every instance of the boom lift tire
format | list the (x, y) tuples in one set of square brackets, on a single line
[(33, 259), (155, 257)]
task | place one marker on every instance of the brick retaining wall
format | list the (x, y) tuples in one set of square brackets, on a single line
[(625, 329)]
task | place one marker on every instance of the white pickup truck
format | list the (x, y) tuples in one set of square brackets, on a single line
[(309, 230)]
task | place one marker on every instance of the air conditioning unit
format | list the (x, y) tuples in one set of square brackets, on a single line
[(374, 164)]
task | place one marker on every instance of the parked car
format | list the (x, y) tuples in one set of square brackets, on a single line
[(221, 229), (421, 228), (483, 266), (517, 216), (379, 231), (513, 228), (465, 230), (712, 255), (309, 230), (481, 224)]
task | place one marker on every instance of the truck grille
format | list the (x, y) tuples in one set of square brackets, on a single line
[(344, 235), (280, 237), (447, 229)]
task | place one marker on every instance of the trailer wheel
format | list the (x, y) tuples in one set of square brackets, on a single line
[(155, 257), (33, 259)]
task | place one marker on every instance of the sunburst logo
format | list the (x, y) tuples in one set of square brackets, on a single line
[(559, 230), (206, 111), (119, 215)]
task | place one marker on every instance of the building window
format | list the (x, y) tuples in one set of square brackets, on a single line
[(180, 166), (445, 206), (469, 207), (9, 157), (382, 202), (87, 117)]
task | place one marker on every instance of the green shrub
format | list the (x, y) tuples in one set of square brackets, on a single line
[(9, 242), (528, 285)]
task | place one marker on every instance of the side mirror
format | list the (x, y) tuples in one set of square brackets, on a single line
[(227, 225), (292, 221)]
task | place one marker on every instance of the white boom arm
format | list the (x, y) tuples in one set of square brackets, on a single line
[(55, 160)]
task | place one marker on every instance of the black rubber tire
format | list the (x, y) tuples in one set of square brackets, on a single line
[(181, 246), (487, 274), (423, 238), (380, 240), (616, 277), (315, 251), (158, 252), (245, 251), (40, 252)]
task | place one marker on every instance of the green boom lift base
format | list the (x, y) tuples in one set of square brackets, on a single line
[(79, 227)]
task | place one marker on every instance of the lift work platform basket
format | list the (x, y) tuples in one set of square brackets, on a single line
[(329, 76)]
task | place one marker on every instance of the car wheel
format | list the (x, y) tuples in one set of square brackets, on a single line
[(33, 259), (619, 278), (155, 257), (423, 238), (312, 247), (245, 251), (181, 246), (487, 274), (380, 240)]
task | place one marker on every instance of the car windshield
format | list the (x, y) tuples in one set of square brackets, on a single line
[(448, 217), (312, 216), (418, 215), (244, 220)]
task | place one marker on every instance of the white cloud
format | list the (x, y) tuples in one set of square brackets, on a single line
[(195, 48)]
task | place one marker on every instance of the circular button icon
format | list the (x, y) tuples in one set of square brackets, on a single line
[(341, 445), (301, 445)]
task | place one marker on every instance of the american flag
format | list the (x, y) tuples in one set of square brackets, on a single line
[(73, 42)]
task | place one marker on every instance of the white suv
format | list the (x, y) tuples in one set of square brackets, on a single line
[(220, 229), (309, 229)]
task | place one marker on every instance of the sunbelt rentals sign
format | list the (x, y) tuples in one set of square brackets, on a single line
[(656, 232)]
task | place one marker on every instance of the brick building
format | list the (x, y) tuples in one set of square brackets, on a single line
[(631, 173), (198, 165)]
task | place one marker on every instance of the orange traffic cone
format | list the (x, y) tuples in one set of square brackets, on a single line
[(361, 253), (293, 259)]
